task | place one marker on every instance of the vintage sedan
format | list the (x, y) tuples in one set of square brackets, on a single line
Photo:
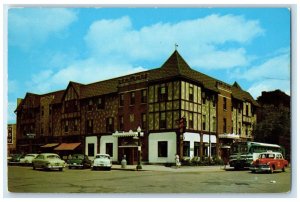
[(48, 161), (27, 159), (269, 162), (15, 159), (79, 161), (102, 161)]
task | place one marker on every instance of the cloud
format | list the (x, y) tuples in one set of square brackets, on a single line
[(11, 116), (32, 26), (272, 74), (200, 38), (115, 45)]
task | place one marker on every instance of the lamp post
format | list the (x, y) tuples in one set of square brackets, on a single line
[(139, 166)]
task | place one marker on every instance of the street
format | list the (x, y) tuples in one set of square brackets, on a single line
[(182, 180)]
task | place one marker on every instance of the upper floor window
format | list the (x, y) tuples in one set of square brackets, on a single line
[(203, 122), (247, 110), (144, 96), (191, 93), (191, 122), (121, 100), (110, 124), (214, 122), (224, 103), (162, 94), (162, 121), (132, 98), (144, 121), (100, 103), (75, 125), (224, 125), (66, 126), (90, 106), (89, 126), (121, 123)]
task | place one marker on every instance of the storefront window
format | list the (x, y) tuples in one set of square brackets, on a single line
[(186, 148), (162, 149)]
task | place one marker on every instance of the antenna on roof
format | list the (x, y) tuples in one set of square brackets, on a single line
[(176, 45)]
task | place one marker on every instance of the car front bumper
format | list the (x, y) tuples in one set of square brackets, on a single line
[(261, 168)]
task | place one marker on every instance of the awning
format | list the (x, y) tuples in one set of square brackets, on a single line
[(67, 146), (229, 136), (50, 145)]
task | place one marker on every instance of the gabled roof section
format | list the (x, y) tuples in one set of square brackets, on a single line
[(75, 86), (240, 94), (58, 95), (31, 100)]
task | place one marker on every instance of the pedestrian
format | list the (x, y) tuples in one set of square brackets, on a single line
[(177, 162)]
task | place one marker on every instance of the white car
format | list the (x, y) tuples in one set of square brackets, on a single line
[(27, 159), (102, 161)]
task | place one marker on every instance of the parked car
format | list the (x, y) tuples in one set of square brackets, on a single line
[(79, 161), (48, 161), (27, 159), (102, 161), (15, 159), (269, 162)]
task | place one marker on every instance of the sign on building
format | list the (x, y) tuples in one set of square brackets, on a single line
[(9, 134)]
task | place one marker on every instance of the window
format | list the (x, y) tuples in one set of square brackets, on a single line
[(144, 96), (162, 147), (131, 118), (224, 103), (42, 110), (239, 128), (214, 101), (144, 121), (109, 149), (132, 98), (90, 106), (121, 100), (89, 126), (50, 110), (121, 123), (224, 125), (162, 94), (191, 122), (66, 126), (91, 149), (191, 93), (162, 121), (75, 125), (110, 124), (247, 110), (100, 103), (196, 148), (186, 148), (203, 122), (214, 124)]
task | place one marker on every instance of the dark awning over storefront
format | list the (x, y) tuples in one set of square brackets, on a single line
[(67, 146), (50, 145)]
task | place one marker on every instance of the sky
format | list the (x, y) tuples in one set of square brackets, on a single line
[(49, 47)]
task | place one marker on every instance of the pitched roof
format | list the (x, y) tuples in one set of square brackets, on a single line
[(240, 94)]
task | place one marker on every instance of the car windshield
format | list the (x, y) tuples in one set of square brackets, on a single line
[(53, 157), (269, 156), (78, 157), (102, 157)]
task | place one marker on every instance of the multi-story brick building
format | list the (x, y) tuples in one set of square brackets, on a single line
[(103, 117)]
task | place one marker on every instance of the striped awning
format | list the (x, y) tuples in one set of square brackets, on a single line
[(67, 146), (50, 145)]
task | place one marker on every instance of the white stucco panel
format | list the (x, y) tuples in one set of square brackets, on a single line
[(154, 138)]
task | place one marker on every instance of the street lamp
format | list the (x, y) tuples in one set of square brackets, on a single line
[(139, 166)]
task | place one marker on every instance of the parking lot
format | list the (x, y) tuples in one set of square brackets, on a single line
[(151, 180)]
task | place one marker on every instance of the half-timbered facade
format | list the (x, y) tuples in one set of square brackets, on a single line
[(103, 117)]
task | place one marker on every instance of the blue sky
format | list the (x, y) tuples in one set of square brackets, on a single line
[(48, 47)]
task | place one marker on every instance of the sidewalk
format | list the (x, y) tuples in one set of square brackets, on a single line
[(173, 168)]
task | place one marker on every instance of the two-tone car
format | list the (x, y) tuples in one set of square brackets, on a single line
[(269, 162), (79, 161), (101, 161), (27, 159), (48, 161)]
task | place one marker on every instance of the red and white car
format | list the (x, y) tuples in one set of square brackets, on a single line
[(269, 161)]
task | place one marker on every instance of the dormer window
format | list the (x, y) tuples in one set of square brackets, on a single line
[(100, 103)]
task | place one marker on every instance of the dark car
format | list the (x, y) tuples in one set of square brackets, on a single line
[(79, 161), (15, 158)]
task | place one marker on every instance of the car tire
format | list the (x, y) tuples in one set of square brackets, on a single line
[(283, 169), (60, 169), (70, 167), (33, 167)]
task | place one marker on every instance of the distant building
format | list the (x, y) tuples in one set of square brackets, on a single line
[(103, 117)]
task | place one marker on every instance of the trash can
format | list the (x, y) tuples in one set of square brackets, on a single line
[(123, 163)]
